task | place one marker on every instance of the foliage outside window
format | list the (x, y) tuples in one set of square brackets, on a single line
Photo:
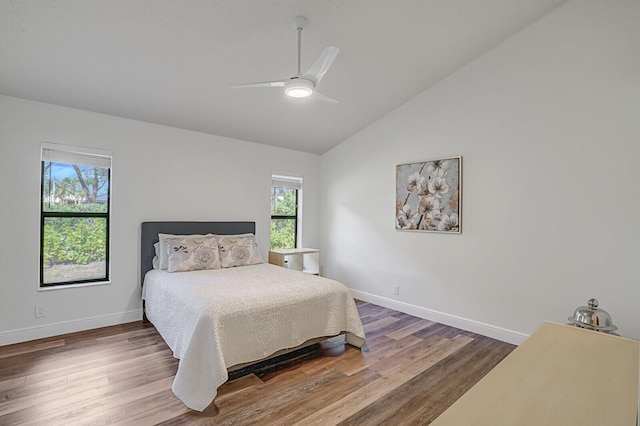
[(285, 196), (75, 207)]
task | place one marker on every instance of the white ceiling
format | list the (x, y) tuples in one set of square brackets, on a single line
[(172, 62)]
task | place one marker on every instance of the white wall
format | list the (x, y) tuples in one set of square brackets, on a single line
[(548, 125), (159, 173)]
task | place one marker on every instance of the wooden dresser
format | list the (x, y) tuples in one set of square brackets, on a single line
[(561, 375)]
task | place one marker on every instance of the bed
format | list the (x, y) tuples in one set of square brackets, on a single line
[(215, 320)]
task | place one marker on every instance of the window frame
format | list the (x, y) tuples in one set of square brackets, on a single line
[(292, 183), (289, 217), (74, 152)]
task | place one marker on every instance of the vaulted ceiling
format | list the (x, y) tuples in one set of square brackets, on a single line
[(173, 62)]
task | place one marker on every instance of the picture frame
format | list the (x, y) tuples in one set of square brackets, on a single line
[(429, 196)]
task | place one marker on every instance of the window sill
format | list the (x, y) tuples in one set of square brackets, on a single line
[(66, 286)]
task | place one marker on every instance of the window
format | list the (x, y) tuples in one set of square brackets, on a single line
[(286, 196), (74, 215)]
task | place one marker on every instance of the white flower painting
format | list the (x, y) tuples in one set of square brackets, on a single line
[(428, 195)]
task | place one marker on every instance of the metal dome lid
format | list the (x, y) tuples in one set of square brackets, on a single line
[(592, 317)]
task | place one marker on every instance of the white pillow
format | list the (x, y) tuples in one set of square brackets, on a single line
[(238, 250), (163, 255), (192, 254), (155, 262)]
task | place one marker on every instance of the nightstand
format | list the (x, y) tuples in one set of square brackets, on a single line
[(300, 259)]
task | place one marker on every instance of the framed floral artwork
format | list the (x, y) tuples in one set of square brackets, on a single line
[(428, 195)]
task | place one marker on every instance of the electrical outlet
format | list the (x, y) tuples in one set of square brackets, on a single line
[(39, 311), (396, 290)]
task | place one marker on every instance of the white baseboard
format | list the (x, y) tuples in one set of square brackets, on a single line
[(56, 329), (498, 333), (49, 330)]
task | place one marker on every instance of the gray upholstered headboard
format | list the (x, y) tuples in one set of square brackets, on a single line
[(149, 235)]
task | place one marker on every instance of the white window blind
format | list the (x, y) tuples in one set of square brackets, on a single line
[(281, 181), (76, 155)]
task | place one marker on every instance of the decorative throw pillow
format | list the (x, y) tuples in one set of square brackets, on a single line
[(238, 250), (192, 254), (163, 252)]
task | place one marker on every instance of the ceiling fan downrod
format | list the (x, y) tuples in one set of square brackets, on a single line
[(299, 22)]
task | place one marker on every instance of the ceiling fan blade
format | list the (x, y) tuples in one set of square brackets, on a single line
[(261, 84), (324, 98), (322, 64)]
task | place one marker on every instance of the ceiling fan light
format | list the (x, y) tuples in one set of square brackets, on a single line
[(299, 89), (298, 92)]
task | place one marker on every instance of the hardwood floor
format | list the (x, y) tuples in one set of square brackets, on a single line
[(122, 375)]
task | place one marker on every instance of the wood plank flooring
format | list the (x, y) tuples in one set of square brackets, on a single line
[(122, 375)]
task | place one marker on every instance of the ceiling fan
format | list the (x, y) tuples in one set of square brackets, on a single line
[(303, 85)]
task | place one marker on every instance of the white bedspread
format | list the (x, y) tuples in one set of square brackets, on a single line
[(215, 319)]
